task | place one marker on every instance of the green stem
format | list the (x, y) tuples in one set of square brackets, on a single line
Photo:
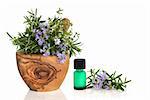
[(9, 35)]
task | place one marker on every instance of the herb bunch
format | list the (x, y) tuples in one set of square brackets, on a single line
[(53, 36), (101, 79)]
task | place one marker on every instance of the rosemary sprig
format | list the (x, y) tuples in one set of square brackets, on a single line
[(104, 80), (53, 36)]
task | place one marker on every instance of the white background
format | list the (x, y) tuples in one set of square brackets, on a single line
[(115, 36)]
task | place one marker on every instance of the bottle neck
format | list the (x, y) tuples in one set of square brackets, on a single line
[(79, 69)]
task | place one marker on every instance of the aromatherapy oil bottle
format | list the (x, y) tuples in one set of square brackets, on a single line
[(79, 74)]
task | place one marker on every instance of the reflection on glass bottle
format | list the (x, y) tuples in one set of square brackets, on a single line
[(53, 95), (79, 74)]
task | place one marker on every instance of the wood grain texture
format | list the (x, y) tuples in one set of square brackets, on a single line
[(41, 73)]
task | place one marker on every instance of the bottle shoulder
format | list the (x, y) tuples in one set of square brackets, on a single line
[(82, 71)]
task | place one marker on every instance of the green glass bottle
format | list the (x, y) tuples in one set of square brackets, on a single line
[(79, 74)]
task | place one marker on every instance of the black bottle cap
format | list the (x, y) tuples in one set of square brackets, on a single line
[(79, 64)]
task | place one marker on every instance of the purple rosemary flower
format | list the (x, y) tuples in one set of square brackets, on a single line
[(63, 47), (44, 30), (61, 57), (46, 36), (107, 87), (37, 37), (102, 75), (62, 61), (60, 45), (46, 53), (99, 80), (41, 51), (41, 41), (44, 49), (97, 83), (39, 33)]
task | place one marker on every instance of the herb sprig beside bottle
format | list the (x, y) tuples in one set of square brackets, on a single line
[(102, 80)]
